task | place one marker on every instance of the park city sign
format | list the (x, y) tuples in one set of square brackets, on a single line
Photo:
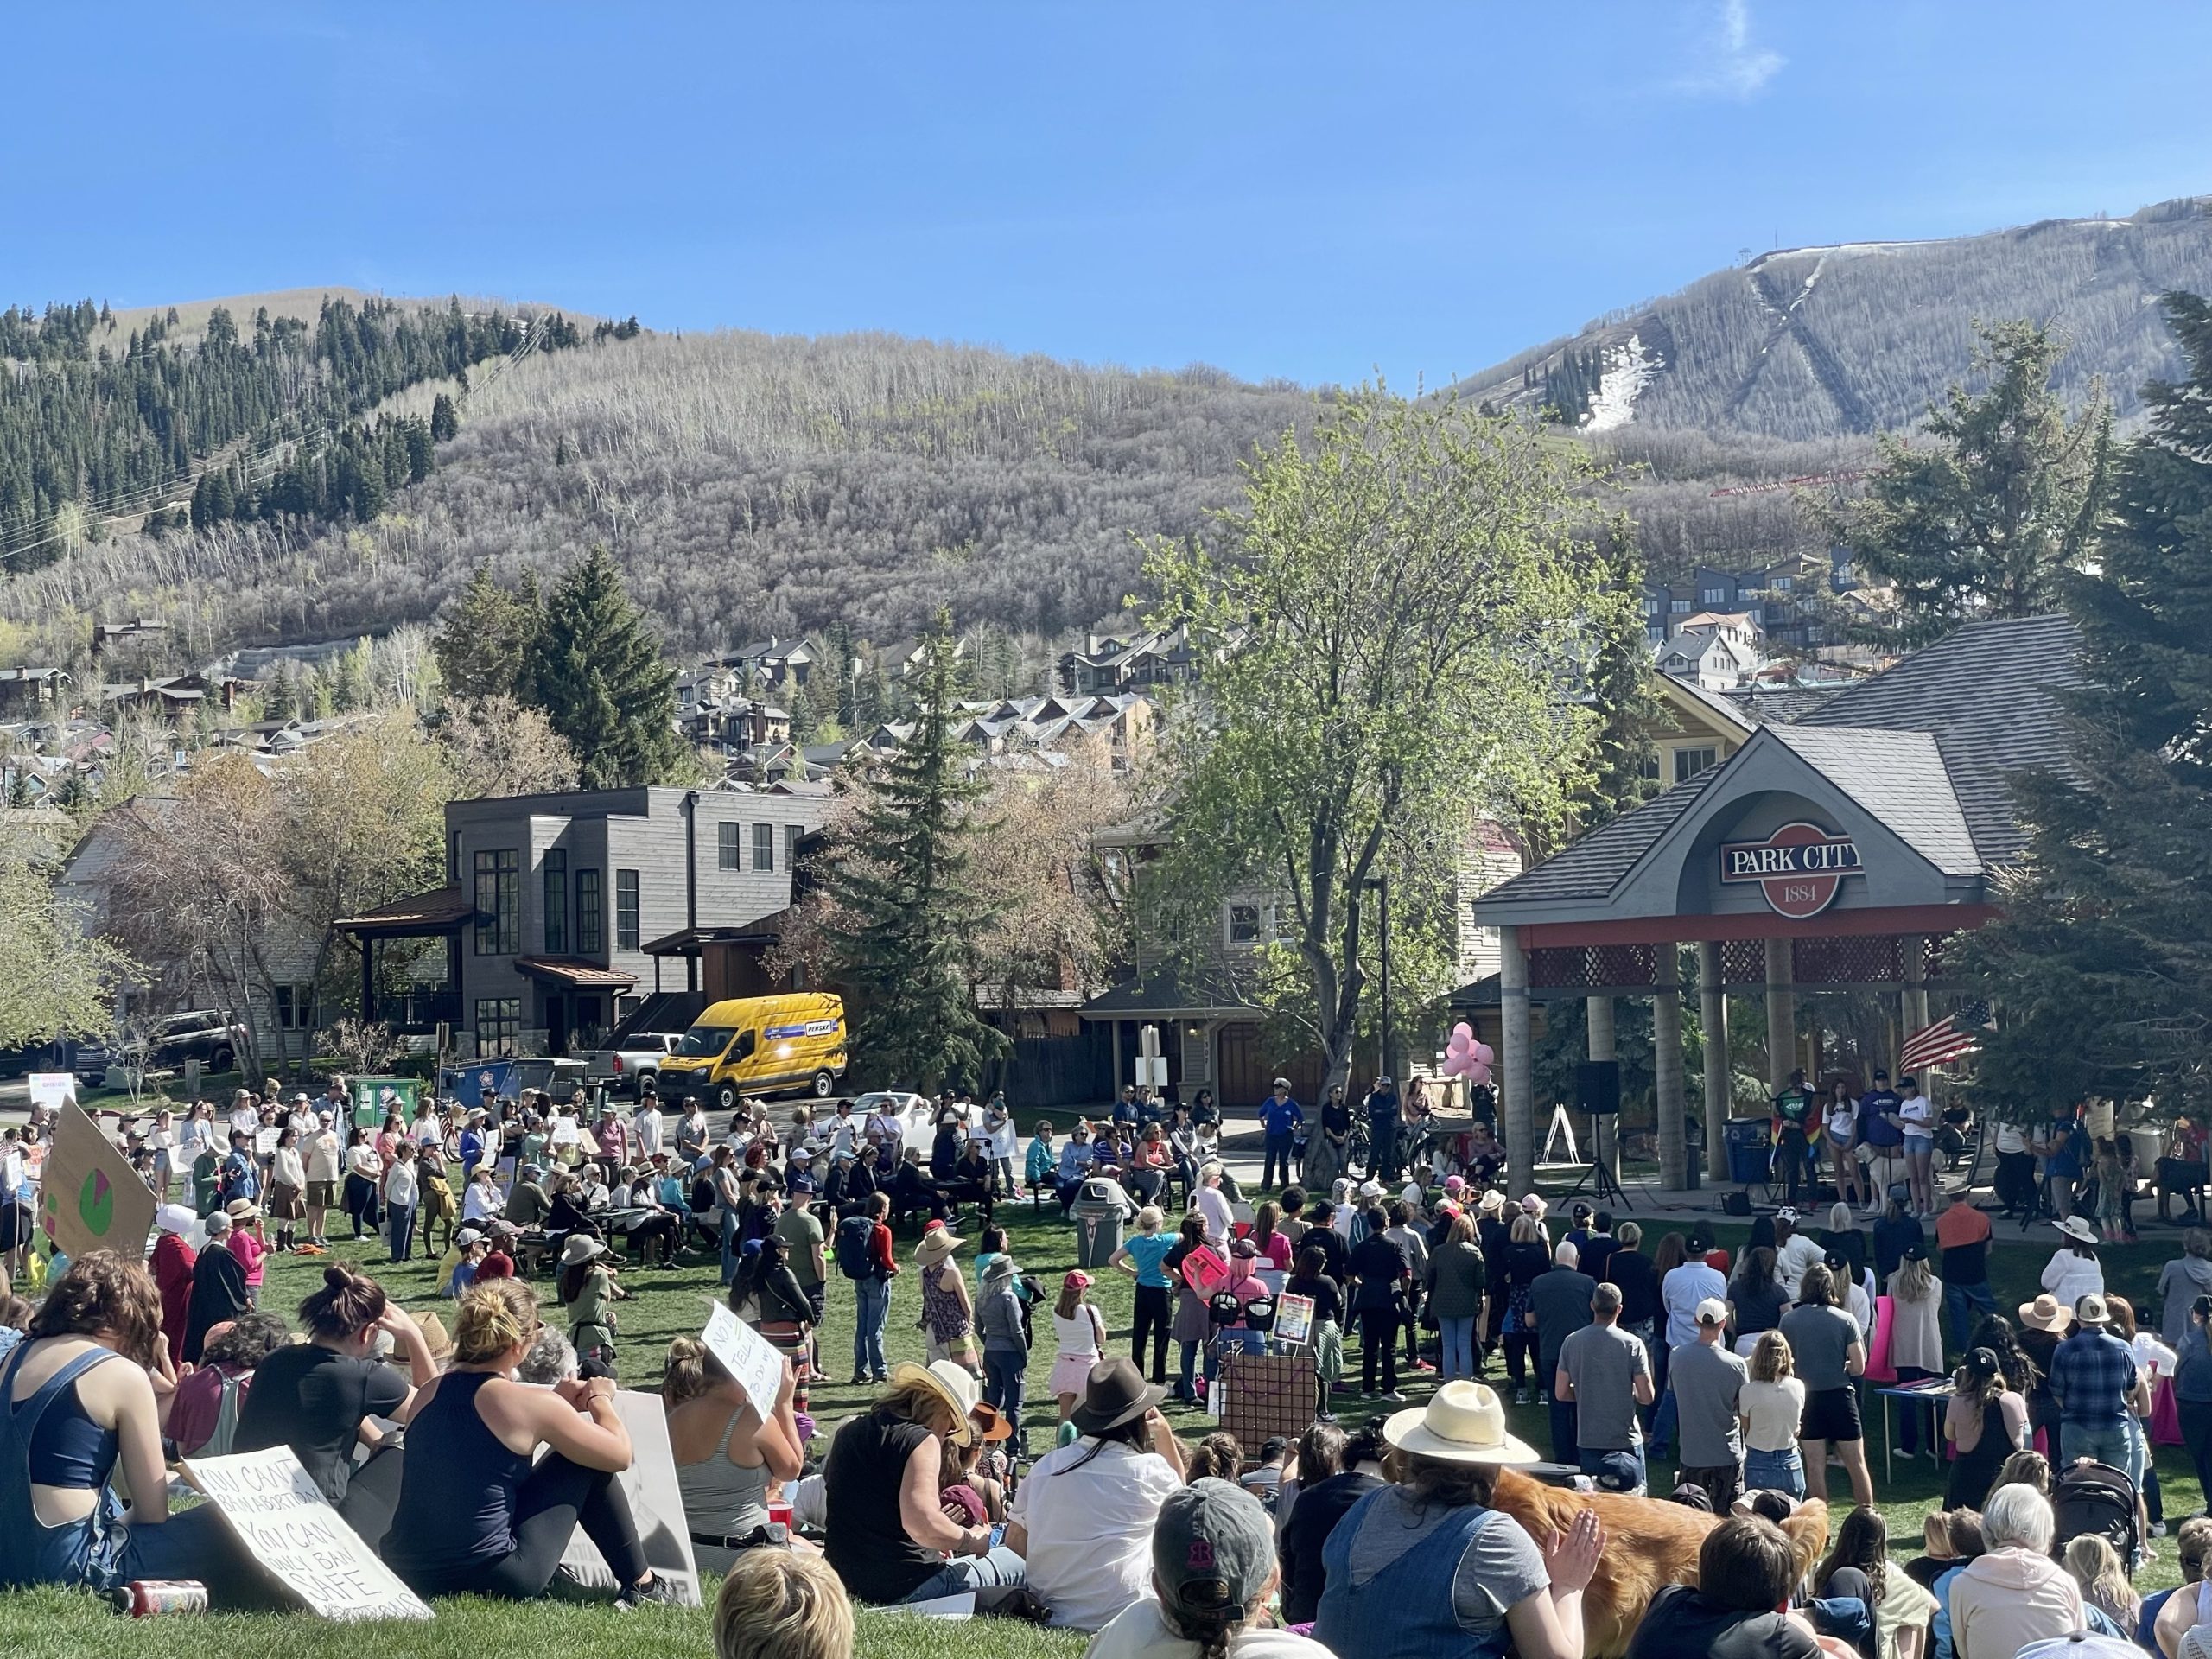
[(1799, 867)]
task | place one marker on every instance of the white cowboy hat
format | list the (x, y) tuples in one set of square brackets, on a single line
[(957, 1389), (1463, 1422), (2075, 1227)]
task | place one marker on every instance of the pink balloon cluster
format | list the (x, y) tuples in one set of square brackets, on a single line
[(1466, 1058)]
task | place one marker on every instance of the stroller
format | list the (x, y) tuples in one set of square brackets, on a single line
[(2095, 1497)]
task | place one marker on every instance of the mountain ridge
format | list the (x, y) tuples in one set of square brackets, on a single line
[(1847, 339)]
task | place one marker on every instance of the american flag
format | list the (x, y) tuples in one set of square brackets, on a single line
[(1953, 1037)]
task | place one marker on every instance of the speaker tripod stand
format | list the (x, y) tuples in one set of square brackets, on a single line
[(1596, 1178)]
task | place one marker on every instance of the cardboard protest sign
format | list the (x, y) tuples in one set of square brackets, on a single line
[(264, 1142), (276, 1511), (52, 1090), (656, 1502), (748, 1356), (1294, 1317), (90, 1199)]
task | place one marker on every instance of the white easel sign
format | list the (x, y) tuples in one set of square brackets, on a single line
[(283, 1519)]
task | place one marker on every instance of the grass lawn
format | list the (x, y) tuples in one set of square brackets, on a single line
[(674, 1302)]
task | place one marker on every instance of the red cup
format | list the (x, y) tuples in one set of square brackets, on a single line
[(779, 1515)]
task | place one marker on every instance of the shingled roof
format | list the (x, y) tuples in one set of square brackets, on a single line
[(1929, 745), (1985, 694)]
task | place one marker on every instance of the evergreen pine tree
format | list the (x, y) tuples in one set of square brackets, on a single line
[(799, 704), (445, 421), (906, 909), (1623, 769), (1985, 513), (598, 674), (838, 640), (2097, 969), (486, 632)]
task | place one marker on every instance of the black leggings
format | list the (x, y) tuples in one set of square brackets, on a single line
[(372, 1495), (1155, 1312), (2196, 1435), (1520, 1348), (1378, 1343), (555, 1497)]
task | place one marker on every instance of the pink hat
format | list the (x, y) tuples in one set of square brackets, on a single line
[(1453, 1183)]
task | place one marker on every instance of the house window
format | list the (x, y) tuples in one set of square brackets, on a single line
[(1714, 596), (1651, 607), (730, 846), (1678, 607), (556, 901), (498, 903), (1784, 584), (296, 1007), (591, 916), (1244, 924), (625, 910), (1690, 762), (791, 832), (764, 847), (498, 1025)]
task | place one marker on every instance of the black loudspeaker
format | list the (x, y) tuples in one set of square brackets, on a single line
[(1597, 1087)]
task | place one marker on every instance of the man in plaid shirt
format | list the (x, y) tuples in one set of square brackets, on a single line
[(2093, 1376)]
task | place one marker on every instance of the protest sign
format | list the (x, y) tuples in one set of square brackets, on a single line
[(90, 1199), (264, 1142), (748, 1356), (1294, 1317), (284, 1522), (52, 1090), (656, 1502)]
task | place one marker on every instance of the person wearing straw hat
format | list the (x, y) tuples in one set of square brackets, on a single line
[(1083, 1521), (2074, 1270), (1424, 1565), (886, 1536), (948, 1312), (588, 1294)]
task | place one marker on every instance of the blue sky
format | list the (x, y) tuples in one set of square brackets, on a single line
[(1312, 191)]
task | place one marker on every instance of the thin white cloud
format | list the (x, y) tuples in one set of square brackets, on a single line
[(1729, 65)]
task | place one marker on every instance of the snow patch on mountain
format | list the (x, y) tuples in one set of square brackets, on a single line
[(1629, 369)]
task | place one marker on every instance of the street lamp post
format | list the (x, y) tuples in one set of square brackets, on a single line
[(1381, 886)]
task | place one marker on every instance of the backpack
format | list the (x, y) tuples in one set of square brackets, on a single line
[(854, 1234), (2095, 1497)]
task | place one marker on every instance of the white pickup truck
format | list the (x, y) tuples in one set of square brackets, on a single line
[(628, 1069)]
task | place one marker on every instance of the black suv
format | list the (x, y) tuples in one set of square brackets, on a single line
[(205, 1034)]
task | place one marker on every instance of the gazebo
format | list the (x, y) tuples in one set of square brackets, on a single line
[(1837, 852)]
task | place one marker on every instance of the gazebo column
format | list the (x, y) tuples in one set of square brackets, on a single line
[(1780, 1014), (1667, 1060), (1597, 1015), (1915, 952), (1513, 1057), (1713, 1016)]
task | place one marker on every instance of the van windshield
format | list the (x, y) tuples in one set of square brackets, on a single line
[(702, 1040)]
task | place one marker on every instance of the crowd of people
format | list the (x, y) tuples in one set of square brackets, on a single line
[(469, 1447)]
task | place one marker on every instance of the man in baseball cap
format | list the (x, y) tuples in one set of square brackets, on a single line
[(1708, 1381), (1213, 1569)]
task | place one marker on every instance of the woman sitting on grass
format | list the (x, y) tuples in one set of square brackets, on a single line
[(475, 1516), (71, 1417), (726, 1454), (319, 1397)]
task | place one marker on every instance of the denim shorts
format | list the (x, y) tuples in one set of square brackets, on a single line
[(1774, 1471)]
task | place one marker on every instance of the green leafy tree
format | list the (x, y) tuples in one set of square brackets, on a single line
[(1986, 513), (1401, 642), (903, 909), (55, 981), (485, 637), (598, 673), (2098, 968)]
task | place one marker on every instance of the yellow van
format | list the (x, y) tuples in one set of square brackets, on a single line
[(760, 1045)]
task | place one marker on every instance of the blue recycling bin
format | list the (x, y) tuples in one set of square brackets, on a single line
[(1750, 1145)]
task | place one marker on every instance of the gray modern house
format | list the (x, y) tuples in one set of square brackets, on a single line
[(560, 913)]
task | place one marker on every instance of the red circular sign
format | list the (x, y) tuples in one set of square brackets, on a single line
[(1799, 897), (1798, 868)]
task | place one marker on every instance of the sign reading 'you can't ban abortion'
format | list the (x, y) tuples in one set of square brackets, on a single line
[(1799, 867)]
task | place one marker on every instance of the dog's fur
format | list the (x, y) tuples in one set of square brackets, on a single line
[(1650, 1543)]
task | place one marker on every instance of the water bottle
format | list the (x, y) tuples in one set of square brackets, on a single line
[(151, 1598)]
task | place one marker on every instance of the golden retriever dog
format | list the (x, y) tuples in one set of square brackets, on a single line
[(1651, 1542)]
